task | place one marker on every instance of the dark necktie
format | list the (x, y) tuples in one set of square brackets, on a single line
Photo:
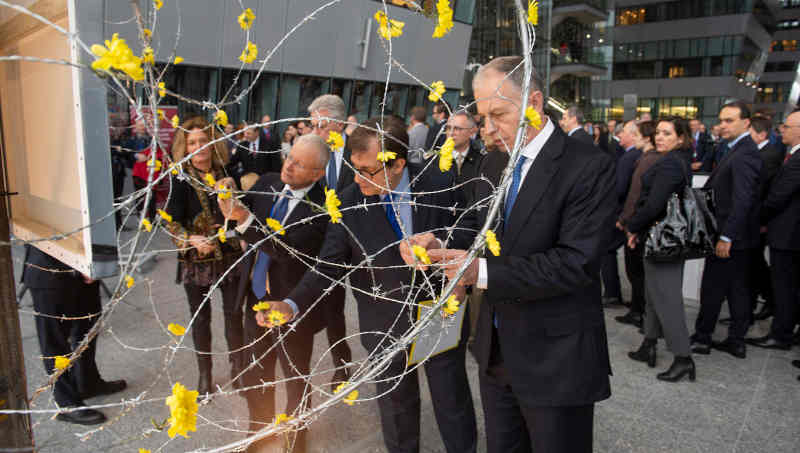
[(391, 215), (261, 269), (511, 197), (331, 173)]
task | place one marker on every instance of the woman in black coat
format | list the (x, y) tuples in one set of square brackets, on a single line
[(665, 314)]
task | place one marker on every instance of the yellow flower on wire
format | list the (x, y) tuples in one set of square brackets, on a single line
[(533, 117), (388, 28), (281, 418), (161, 116), (276, 318), (178, 60), (250, 53), (340, 387), (61, 362), (437, 90), (246, 19), (275, 225), (154, 163), (351, 398), (162, 91), (175, 123), (117, 55), (147, 225), (335, 140), (147, 33), (332, 204), (491, 242), (224, 193), (129, 281), (533, 12), (221, 118), (421, 254), (175, 168), (176, 329), (183, 411), (210, 180), (147, 55), (451, 306), (158, 4), (163, 214), (221, 234), (386, 156), (261, 306), (445, 20), (446, 155), (142, 450)]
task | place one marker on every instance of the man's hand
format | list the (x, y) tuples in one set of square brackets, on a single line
[(632, 239), (425, 240), (141, 157), (202, 244), (697, 166), (619, 226), (451, 260), (723, 249), (231, 208), (269, 318)]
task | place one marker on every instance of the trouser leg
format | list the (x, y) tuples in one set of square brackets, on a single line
[(666, 286), (399, 408)]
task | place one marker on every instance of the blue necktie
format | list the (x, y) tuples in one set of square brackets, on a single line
[(259, 280), (511, 197), (331, 173), (391, 215)]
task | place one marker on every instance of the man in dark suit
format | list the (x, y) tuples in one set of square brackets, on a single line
[(541, 342), (781, 214), (701, 141), (572, 123), (58, 290), (736, 184), (436, 134), (254, 155), (375, 217), (288, 197), (268, 133), (467, 156)]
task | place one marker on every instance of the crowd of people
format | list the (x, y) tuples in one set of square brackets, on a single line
[(533, 310)]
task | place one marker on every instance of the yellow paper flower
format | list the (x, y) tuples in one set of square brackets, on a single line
[(154, 163), (178, 60), (332, 204), (386, 156), (161, 116), (61, 362), (281, 418), (275, 225), (335, 141), (142, 450), (250, 53), (437, 90), (147, 33), (340, 387), (246, 19), (446, 155), (117, 55), (533, 117), (210, 180), (158, 4), (445, 20), (175, 123), (147, 55), (261, 306), (147, 225), (176, 329), (421, 254), (533, 12), (129, 281), (182, 411), (277, 318), (221, 118), (164, 215), (491, 242), (221, 234), (351, 398), (388, 28), (174, 168), (224, 193), (162, 91), (451, 306)]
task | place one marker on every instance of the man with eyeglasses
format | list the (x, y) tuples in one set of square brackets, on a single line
[(392, 201), (467, 156)]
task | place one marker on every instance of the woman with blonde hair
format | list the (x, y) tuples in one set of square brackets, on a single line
[(204, 253)]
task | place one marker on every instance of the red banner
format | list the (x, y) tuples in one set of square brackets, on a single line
[(165, 130)]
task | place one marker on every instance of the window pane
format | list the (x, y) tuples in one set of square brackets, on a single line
[(464, 11)]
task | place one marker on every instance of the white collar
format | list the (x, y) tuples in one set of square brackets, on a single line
[(572, 131), (763, 144), (794, 148), (532, 149), (299, 193)]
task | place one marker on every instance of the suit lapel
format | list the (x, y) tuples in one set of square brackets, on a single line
[(536, 182)]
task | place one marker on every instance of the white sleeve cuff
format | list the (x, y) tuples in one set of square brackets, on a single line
[(483, 275), (242, 227)]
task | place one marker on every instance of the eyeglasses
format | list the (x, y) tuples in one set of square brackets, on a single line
[(292, 161), (367, 173), (450, 128), (787, 126)]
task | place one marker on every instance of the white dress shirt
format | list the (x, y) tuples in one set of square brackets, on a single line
[(296, 196), (572, 131), (338, 156), (763, 144)]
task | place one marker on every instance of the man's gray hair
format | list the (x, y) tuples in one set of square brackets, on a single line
[(466, 115), (314, 140), (333, 104), (575, 112), (515, 69), (619, 127)]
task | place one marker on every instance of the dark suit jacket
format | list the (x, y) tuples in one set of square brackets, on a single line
[(582, 136), (267, 160), (432, 139), (736, 184), (773, 159), (285, 269), (35, 276), (781, 210), (545, 286), (371, 230), (346, 175), (470, 170), (703, 145), (667, 176), (625, 166)]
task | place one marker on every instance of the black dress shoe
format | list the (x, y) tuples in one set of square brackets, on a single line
[(768, 342), (796, 363), (681, 366), (104, 388), (633, 318), (698, 347), (82, 417), (738, 350), (646, 353), (725, 321), (764, 313)]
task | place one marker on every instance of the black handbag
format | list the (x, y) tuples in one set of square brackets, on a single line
[(688, 229)]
